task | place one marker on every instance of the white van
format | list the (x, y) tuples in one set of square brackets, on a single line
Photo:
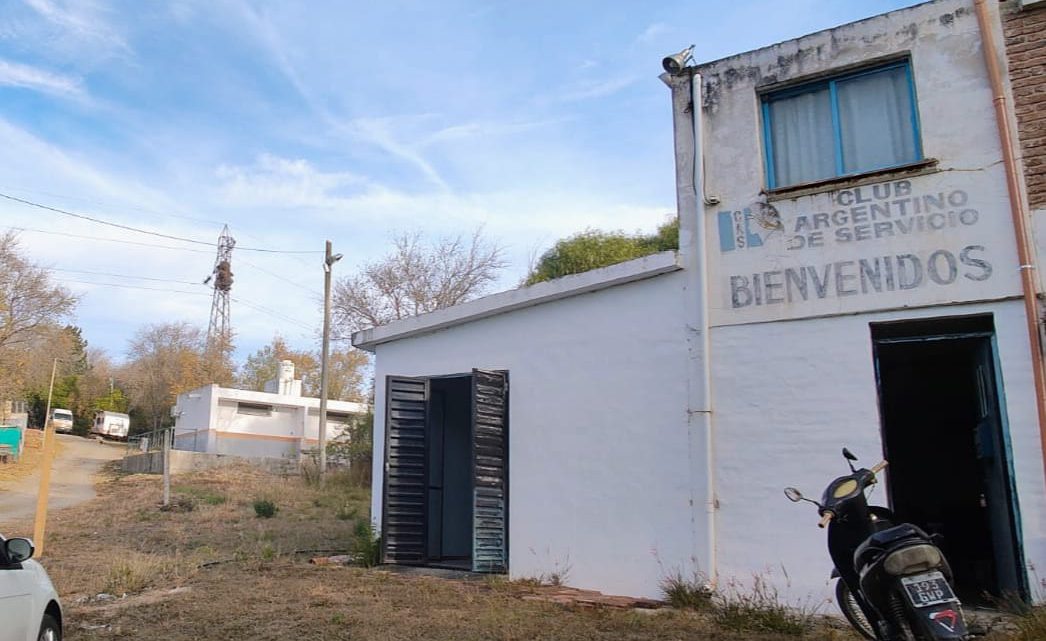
[(111, 424), (62, 420)]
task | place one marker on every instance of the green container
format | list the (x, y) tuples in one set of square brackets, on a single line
[(12, 436)]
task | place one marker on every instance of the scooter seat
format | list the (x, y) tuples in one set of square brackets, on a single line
[(878, 543)]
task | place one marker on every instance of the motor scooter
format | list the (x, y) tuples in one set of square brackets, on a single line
[(894, 582)]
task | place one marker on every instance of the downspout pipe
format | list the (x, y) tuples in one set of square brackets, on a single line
[(1018, 214), (686, 89), (701, 404)]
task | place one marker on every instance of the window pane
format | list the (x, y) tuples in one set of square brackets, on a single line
[(875, 113), (801, 135)]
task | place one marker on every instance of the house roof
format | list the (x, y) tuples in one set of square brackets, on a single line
[(523, 297)]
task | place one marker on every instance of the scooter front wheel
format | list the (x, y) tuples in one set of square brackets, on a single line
[(852, 611)]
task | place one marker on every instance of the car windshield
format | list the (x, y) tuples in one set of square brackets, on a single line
[(62, 414)]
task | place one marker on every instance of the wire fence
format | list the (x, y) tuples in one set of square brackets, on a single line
[(149, 441)]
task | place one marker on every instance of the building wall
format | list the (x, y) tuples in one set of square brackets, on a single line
[(790, 395), (599, 483), (793, 375), (209, 421), (1025, 37), (947, 219)]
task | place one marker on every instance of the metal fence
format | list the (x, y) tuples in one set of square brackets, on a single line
[(149, 441)]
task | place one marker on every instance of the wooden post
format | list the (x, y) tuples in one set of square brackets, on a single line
[(40, 523), (166, 452)]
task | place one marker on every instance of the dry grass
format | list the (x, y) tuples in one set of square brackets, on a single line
[(32, 454), (122, 543)]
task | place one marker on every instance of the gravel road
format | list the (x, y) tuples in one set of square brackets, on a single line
[(71, 482)]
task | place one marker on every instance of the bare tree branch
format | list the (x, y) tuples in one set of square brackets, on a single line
[(416, 278)]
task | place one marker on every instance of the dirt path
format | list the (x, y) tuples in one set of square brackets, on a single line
[(71, 483)]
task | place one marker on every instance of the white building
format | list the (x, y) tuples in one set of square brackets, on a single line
[(847, 275), (277, 423)]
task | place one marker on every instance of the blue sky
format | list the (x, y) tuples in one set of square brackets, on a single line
[(295, 122)]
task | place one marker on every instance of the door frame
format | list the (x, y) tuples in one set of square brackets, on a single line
[(1005, 452)]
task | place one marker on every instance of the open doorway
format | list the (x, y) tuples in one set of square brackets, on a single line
[(445, 494), (944, 432), (450, 479)]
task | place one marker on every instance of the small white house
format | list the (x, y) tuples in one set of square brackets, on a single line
[(280, 423), (847, 276)]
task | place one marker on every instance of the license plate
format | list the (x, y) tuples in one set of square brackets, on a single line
[(927, 589)]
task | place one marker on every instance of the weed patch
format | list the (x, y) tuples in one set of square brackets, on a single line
[(760, 609), (366, 545), (687, 593), (264, 508)]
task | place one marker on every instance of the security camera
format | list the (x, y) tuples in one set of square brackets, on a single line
[(675, 64)]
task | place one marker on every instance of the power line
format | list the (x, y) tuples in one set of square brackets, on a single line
[(109, 240), (159, 280), (283, 278), (273, 313), (102, 222), (102, 203), (146, 231), (126, 286), (254, 306)]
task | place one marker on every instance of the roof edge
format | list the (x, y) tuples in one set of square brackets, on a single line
[(523, 297)]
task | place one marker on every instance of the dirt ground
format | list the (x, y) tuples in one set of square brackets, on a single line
[(127, 570), (27, 463), (75, 463)]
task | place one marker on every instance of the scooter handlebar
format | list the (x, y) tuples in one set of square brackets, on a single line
[(879, 467), (823, 523)]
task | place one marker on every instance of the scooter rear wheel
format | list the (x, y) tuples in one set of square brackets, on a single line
[(852, 611)]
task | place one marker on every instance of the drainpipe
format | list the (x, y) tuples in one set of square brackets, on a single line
[(686, 97), (1017, 213), (700, 408)]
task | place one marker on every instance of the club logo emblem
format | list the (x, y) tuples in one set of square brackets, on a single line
[(946, 619)]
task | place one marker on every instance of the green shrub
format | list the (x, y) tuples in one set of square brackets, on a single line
[(593, 248), (264, 508), (366, 544)]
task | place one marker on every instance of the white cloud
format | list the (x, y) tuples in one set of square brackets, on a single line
[(13, 74), (283, 183), (83, 26), (591, 89), (652, 33)]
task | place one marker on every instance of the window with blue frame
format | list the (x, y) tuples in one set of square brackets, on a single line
[(850, 124)]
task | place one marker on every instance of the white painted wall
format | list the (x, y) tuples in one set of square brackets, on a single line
[(211, 412), (603, 471), (789, 396), (958, 130), (597, 430), (793, 381)]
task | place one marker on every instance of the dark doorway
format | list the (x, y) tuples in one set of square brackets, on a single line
[(450, 478), (941, 406), (445, 494)]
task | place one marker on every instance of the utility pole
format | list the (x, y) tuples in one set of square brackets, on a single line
[(45, 473), (328, 263)]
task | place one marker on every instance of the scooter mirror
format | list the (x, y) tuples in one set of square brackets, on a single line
[(848, 455), (793, 494)]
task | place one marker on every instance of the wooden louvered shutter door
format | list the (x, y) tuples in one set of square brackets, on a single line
[(404, 506), (490, 471)]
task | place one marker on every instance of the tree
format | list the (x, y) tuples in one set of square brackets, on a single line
[(417, 277), (165, 360), (29, 301), (345, 376), (593, 248), (33, 373), (31, 310)]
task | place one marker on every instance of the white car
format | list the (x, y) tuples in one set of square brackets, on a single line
[(29, 607)]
